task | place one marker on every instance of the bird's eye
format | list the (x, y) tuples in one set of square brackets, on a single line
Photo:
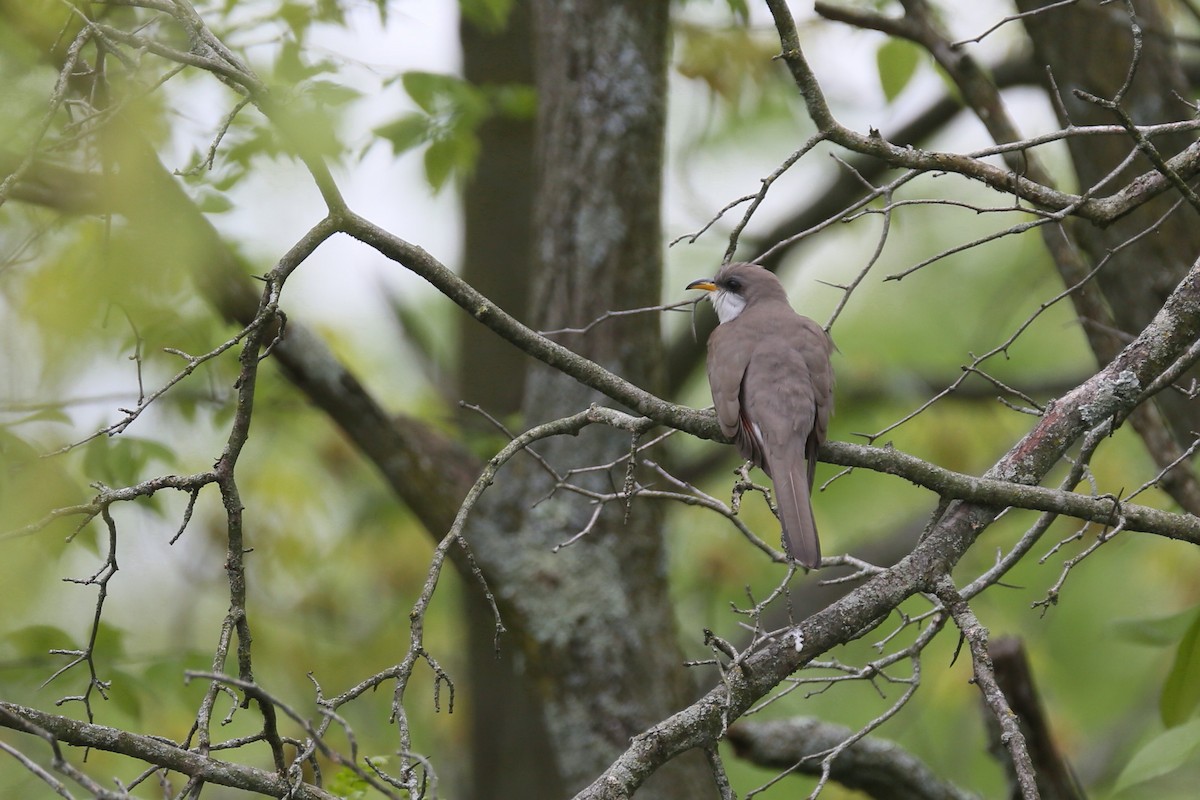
[(733, 285)]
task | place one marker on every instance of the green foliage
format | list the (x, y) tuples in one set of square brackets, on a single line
[(29, 484), (740, 9), (451, 111), (897, 61), (34, 641), (301, 16), (346, 784), (1166, 753), (123, 460), (734, 62), (1181, 691), (1155, 631), (487, 15)]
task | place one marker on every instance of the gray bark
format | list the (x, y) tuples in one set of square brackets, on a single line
[(593, 620), (510, 747)]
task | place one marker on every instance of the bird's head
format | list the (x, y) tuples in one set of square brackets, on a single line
[(737, 286)]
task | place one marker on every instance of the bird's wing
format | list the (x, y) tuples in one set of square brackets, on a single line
[(727, 361), (820, 371)]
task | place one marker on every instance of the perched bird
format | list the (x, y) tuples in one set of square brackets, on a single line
[(772, 385)]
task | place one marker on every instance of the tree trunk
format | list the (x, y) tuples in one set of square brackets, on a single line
[(593, 620), (510, 747)]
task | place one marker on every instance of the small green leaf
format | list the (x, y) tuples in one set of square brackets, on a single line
[(297, 16), (1181, 690), (49, 415), (345, 783), (329, 93), (35, 641), (110, 640), (121, 460), (515, 100), (426, 87), (406, 132), (444, 158), (1163, 754), (124, 694), (289, 67), (490, 16), (213, 202), (316, 129), (1154, 631), (897, 61)]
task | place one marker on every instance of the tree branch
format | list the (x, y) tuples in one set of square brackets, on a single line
[(1102, 211), (156, 751), (877, 767), (985, 678)]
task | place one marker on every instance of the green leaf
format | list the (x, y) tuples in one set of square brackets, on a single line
[(346, 784), (449, 156), (740, 10), (213, 202), (297, 16), (453, 110), (316, 129), (514, 100), (1163, 754), (1181, 690), (35, 641), (490, 16), (896, 61), (122, 460), (289, 66), (110, 640), (329, 93), (425, 88), (49, 415), (124, 693), (406, 132), (1154, 631)]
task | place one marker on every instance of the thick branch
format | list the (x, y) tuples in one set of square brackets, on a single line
[(877, 767)]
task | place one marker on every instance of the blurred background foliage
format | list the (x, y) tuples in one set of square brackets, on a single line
[(88, 304)]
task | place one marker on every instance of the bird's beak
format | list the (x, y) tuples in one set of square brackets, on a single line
[(704, 283)]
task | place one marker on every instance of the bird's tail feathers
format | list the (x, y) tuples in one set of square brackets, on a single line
[(795, 512)]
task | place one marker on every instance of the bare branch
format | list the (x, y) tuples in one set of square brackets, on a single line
[(985, 678), (615, 314), (877, 767), (155, 750)]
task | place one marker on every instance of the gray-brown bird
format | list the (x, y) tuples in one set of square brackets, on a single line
[(772, 385)]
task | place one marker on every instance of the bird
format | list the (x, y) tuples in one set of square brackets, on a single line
[(771, 377)]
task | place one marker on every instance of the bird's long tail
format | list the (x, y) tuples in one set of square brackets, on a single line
[(795, 511)]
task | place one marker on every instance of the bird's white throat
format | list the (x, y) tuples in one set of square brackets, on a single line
[(727, 304)]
